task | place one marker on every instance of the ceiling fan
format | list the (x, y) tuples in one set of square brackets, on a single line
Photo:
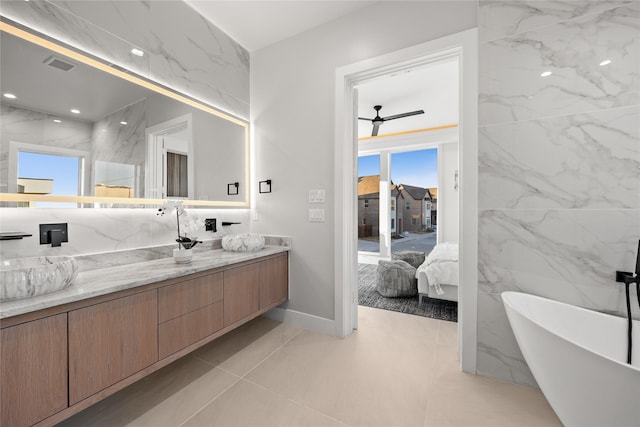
[(377, 120)]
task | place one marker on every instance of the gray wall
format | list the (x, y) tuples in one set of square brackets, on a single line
[(559, 161), (292, 108)]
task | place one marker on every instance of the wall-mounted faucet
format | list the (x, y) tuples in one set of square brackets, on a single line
[(54, 234)]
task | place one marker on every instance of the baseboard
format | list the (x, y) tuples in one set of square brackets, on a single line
[(303, 320)]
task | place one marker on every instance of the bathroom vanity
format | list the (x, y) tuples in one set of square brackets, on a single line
[(63, 352)]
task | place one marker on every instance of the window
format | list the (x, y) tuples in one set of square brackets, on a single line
[(427, 206), (393, 223), (428, 222), (408, 205), (364, 221), (414, 220), (393, 204), (366, 203)]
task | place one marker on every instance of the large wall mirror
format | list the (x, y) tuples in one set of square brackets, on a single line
[(79, 132)]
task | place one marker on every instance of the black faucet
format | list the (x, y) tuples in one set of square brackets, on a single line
[(628, 279)]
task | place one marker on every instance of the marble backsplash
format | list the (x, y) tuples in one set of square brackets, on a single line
[(94, 231)]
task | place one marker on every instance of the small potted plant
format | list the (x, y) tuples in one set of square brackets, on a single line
[(183, 253)]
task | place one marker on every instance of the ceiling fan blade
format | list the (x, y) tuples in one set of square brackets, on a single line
[(399, 116), (364, 118), (376, 126)]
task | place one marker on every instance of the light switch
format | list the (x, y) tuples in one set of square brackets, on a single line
[(316, 196), (316, 215)]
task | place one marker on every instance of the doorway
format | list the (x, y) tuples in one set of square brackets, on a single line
[(463, 46)]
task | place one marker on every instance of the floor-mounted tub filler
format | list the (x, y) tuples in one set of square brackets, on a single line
[(578, 357)]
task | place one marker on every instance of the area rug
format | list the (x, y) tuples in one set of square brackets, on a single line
[(430, 307)]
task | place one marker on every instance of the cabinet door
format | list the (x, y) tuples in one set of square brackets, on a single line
[(241, 292), (110, 341), (274, 286), (33, 370)]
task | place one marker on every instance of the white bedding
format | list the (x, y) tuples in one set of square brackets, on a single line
[(439, 268)]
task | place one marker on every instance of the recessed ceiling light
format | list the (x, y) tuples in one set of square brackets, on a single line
[(9, 95), (57, 120), (137, 52), (546, 74), (605, 62), (123, 123), (74, 111)]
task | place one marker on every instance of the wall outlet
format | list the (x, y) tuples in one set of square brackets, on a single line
[(254, 214), (316, 215)]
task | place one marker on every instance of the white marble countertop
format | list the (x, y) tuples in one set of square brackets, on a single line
[(104, 281)]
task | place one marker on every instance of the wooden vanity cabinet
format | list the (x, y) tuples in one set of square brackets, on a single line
[(33, 369), (111, 341), (58, 361)]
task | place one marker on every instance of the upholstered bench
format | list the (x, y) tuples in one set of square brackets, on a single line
[(396, 279)]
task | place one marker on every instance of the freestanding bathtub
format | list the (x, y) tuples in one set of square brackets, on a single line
[(578, 357)]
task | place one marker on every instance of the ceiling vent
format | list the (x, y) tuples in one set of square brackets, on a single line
[(58, 63)]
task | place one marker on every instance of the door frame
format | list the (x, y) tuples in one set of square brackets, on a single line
[(464, 45)]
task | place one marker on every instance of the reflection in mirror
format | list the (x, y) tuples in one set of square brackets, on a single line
[(92, 135)]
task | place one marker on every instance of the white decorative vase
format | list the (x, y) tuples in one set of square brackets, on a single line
[(182, 256)]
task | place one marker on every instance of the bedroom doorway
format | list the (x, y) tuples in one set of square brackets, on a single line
[(462, 46)]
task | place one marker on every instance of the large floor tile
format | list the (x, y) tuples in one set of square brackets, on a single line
[(166, 398), (247, 404), (460, 399), (242, 349), (378, 376)]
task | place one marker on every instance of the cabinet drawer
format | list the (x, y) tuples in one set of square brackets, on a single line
[(191, 295), (183, 331)]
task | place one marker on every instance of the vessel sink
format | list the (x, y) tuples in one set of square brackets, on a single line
[(30, 277), (243, 243)]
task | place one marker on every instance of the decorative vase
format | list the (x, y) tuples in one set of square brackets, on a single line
[(182, 256)]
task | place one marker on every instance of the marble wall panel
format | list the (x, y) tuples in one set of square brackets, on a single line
[(559, 161), (568, 255), (498, 353), (589, 160), (511, 88), (501, 18), (183, 50)]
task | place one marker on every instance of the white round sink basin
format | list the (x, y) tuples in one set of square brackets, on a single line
[(243, 243), (30, 277)]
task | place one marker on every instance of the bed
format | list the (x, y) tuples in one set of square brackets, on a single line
[(438, 276)]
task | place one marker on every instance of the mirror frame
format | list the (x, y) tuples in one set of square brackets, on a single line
[(73, 53)]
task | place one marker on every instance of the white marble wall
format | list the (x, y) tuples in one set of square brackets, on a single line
[(559, 160), (183, 51)]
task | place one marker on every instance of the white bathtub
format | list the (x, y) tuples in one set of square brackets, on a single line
[(578, 358)]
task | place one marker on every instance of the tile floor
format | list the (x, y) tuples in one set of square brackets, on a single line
[(396, 370)]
